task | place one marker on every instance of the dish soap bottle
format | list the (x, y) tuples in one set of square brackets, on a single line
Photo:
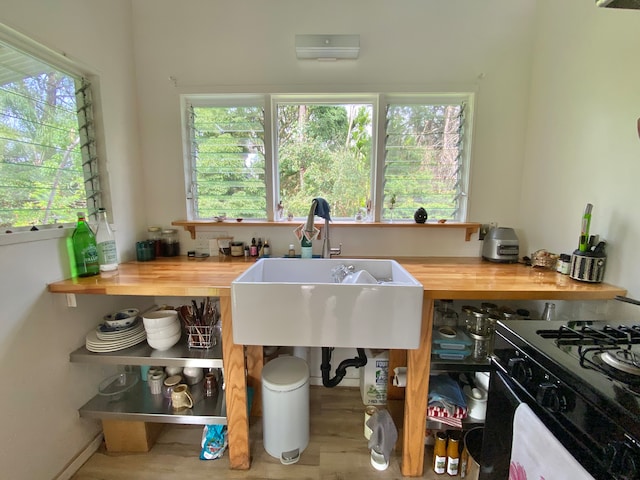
[(85, 249), (106, 241), (306, 250)]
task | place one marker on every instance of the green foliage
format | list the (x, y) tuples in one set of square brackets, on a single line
[(41, 165)]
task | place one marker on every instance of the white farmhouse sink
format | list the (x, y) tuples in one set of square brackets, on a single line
[(295, 302)]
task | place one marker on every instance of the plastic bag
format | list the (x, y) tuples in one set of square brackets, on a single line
[(214, 442)]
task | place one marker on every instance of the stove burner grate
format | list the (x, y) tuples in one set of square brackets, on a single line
[(582, 333), (608, 361)]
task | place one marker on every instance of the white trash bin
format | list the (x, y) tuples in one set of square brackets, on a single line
[(285, 408)]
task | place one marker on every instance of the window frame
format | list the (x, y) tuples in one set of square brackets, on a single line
[(79, 73), (379, 103)]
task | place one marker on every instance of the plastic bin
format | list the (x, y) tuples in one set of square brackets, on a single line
[(285, 408)]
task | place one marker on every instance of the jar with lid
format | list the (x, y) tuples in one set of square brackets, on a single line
[(154, 234), (170, 242), (440, 453), (237, 249)]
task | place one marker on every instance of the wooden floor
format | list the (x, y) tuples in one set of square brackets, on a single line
[(337, 450)]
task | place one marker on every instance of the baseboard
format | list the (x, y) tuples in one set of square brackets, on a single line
[(74, 465)]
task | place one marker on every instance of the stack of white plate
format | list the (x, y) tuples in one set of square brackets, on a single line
[(110, 339), (163, 328)]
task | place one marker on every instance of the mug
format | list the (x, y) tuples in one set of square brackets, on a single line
[(155, 381), (181, 397)]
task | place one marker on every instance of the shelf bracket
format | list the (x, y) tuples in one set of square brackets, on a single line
[(470, 231)]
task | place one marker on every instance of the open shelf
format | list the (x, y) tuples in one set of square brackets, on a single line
[(192, 225), (139, 404), (180, 355)]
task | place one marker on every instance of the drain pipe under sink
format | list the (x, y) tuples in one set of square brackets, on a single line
[(357, 362)]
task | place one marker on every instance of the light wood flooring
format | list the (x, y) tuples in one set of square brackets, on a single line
[(337, 450)]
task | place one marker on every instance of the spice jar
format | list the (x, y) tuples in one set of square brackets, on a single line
[(440, 453), (170, 243)]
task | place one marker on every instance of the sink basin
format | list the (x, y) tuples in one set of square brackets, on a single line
[(296, 302)]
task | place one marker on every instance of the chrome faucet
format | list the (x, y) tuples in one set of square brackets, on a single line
[(320, 207)]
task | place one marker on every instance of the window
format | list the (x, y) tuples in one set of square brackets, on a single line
[(48, 163), (246, 155)]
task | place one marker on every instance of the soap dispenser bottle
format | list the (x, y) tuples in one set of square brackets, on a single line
[(306, 250)]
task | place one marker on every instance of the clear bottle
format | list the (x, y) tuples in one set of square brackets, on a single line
[(266, 249), (440, 453), (106, 241), (453, 457), (549, 311), (292, 250), (85, 249)]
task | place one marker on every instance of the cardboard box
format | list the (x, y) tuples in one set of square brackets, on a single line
[(374, 376)]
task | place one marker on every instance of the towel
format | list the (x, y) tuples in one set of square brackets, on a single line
[(384, 433), (445, 392), (322, 208), (537, 454)]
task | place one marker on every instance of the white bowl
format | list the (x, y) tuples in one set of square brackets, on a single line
[(164, 343), (167, 331), (159, 318)]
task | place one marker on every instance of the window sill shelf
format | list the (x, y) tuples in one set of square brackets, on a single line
[(192, 225)]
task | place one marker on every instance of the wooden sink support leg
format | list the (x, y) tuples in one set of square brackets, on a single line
[(235, 392), (415, 401)]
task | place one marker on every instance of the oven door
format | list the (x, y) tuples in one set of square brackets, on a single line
[(498, 428)]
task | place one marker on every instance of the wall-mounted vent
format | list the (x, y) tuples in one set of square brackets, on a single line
[(327, 47)]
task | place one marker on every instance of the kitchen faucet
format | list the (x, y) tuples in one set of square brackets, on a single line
[(320, 207)]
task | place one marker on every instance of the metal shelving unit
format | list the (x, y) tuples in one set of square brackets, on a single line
[(138, 404), (180, 355)]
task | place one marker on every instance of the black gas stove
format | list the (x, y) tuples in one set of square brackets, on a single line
[(582, 378)]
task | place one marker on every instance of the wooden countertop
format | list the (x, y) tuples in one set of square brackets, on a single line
[(442, 277)]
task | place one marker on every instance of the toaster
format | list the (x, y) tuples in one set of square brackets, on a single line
[(501, 245)]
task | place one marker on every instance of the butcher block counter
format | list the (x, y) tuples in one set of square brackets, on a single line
[(442, 278)]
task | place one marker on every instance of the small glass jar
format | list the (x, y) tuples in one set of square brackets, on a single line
[(237, 249), (154, 234), (170, 243)]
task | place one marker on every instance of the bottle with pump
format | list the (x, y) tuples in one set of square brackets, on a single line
[(266, 249), (106, 242), (85, 249), (254, 248), (260, 253)]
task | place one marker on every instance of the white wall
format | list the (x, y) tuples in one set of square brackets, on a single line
[(559, 90), (248, 46), (582, 142), (41, 429)]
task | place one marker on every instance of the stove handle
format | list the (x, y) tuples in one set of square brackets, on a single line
[(520, 370), (550, 397)]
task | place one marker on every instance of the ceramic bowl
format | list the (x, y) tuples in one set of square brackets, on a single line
[(122, 318), (164, 343), (159, 318), (163, 332)]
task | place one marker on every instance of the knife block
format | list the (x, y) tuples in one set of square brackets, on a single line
[(587, 266)]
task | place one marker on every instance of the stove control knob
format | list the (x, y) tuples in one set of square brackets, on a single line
[(520, 370), (550, 397)]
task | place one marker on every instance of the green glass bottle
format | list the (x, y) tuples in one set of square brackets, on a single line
[(85, 249)]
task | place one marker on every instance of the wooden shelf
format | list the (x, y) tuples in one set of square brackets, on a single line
[(192, 225)]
